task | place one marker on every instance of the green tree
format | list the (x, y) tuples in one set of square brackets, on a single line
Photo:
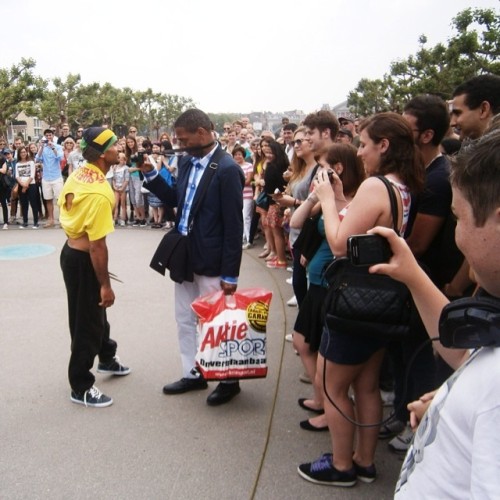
[(19, 87), (473, 49)]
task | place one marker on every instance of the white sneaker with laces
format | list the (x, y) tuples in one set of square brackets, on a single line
[(92, 397), (402, 441)]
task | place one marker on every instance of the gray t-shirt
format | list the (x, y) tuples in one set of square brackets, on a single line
[(300, 191)]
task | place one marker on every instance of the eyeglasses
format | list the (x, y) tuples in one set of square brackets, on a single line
[(297, 142), (80, 131), (132, 131)]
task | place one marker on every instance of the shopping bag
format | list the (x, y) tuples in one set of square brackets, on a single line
[(232, 334)]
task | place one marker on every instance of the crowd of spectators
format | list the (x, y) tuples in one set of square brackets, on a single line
[(319, 173)]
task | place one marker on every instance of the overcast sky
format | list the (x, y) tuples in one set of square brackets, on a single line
[(228, 56)]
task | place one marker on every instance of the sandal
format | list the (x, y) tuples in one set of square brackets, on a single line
[(271, 256), (264, 254)]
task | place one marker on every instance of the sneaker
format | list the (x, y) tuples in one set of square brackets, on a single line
[(122, 223), (289, 280), (304, 377), (289, 269), (246, 246), (35, 226), (136, 223), (322, 471), (402, 441), (365, 474), (92, 397), (289, 337), (22, 226), (143, 223), (113, 367), (6, 226), (292, 302), (391, 429)]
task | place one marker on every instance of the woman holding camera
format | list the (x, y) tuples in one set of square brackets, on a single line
[(135, 181), (341, 159), (386, 148)]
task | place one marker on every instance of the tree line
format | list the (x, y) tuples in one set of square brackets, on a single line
[(473, 49)]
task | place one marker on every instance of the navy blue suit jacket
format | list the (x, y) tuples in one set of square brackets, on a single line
[(217, 229)]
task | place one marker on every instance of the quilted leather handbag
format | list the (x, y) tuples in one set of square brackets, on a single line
[(361, 303)]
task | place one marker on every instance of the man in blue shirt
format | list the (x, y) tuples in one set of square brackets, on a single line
[(50, 155), (209, 201)]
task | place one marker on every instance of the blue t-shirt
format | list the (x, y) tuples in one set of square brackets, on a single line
[(321, 259)]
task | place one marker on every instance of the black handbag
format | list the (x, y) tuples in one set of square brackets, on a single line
[(361, 303), (262, 200), (309, 239)]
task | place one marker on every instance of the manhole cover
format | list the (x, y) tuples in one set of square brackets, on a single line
[(20, 252)]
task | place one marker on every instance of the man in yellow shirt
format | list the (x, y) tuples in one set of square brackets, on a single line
[(86, 215)]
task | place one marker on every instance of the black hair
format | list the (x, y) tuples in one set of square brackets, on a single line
[(479, 89), (431, 113), (192, 119), (290, 126)]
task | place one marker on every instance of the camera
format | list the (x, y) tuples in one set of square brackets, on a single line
[(330, 176), (138, 157), (368, 249), (44, 141)]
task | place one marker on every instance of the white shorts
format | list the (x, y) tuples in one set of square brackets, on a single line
[(52, 189)]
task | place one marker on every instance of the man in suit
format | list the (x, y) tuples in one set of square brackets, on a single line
[(214, 233)]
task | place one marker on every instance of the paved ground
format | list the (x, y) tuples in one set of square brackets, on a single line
[(147, 445)]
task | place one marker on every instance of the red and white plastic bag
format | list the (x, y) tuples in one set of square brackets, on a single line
[(232, 334)]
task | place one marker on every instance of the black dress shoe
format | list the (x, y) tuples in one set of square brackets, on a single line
[(307, 426), (308, 408), (185, 385), (223, 393)]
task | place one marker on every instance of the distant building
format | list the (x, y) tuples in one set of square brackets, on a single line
[(29, 128), (341, 110)]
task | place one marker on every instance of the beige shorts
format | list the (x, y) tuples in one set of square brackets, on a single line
[(52, 189)]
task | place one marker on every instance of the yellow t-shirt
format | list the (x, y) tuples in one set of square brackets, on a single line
[(92, 208)]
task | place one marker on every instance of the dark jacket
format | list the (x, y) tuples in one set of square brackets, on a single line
[(217, 230)]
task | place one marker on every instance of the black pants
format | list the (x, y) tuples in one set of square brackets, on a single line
[(88, 324), (29, 198)]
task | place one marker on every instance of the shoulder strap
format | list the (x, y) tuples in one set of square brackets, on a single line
[(204, 183), (393, 201)]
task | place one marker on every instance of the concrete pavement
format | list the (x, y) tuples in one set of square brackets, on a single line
[(147, 445)]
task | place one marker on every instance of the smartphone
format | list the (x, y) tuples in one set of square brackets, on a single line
[(368, 249)]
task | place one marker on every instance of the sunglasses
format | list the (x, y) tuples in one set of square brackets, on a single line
[(297, 142)]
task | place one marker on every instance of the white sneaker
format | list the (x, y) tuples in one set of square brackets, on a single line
[(387, 398), (292, 302), (289, 281), (289, 337), (402, 441), (289, 269)]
